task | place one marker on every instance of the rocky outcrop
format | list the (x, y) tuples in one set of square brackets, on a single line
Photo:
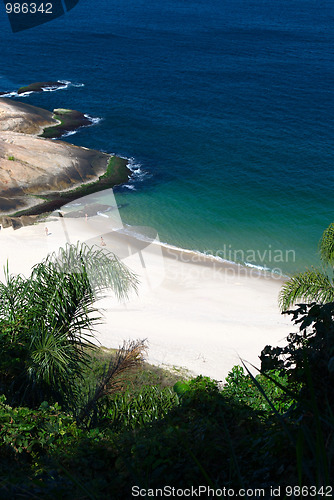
[(18, 117), (67, 120), (32, 167), (40, 86), (17, 222)]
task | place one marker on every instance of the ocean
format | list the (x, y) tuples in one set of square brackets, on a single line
[(225, 108)]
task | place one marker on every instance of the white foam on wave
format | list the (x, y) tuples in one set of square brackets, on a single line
[(24, 94), (51, 88), (67, 84), (137, 174), (92, 119), (128, 230), (255, 266), (67, 134), (75, 84), (9, 94)]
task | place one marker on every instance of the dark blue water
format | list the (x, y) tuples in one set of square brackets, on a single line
[(227, 106)]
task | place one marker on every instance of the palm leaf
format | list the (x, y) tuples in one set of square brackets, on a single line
[(97, 268), (326, 245), (51, 315), (310, 286), (128, 357)]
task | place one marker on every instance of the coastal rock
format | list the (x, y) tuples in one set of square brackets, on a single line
[(17, 222), (67, 120), (40, 86), (18, 117), (33, 168)]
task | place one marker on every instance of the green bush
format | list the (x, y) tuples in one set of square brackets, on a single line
[(23, 430), (206, 439), (241, 388), (307, 361)]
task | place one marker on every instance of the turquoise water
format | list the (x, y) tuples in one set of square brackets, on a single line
[(226, 107)]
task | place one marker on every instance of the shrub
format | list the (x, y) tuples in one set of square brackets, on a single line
[(307, 360), (23, 430), (241, 388)]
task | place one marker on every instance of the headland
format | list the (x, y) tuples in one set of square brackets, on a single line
[(37, 174)]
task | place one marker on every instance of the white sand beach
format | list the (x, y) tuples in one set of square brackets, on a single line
[(195, 312)]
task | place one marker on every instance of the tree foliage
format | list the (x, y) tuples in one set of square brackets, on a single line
[(312, 285), (309, 353), (47, 321), (308, 361), (326, 245)]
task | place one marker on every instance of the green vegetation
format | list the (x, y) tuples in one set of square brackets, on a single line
[(313, 284), (69, 120), (11, 158), (77, 422)]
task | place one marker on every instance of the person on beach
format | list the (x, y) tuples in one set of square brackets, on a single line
[(103, 243), (86, 217), (46, 232)]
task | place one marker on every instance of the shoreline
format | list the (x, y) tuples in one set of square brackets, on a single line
[(191, 255), (116, 173), (199, 315), (35, 168), (38, 175), (198, 312)]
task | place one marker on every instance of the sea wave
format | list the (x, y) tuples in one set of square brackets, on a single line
[(255, 266), (131, 231), (53, 88), (93, 120), (9, 94), (66, 134), (24, 94), (73, 84), (138, 174)]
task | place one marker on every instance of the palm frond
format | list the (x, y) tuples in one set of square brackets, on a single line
[(13, 297), (326, 245), (51, 315), (128, 357), (96, 268), (310, 286)]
